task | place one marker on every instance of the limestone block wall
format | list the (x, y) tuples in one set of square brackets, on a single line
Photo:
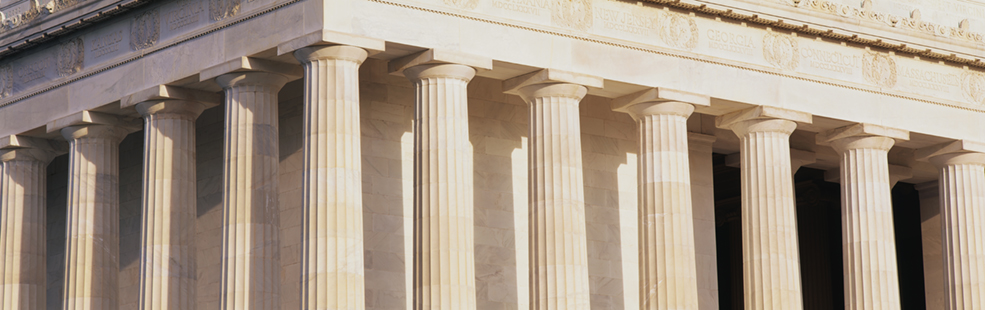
[(498, 131)]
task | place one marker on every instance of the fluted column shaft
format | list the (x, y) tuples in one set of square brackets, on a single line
[(167, 259), (668, 275), (962, 196), (251, 220), (558, 244), (770, 257), (332, 238), (93, 239), (868, 237), (444, 263), (22, 229)]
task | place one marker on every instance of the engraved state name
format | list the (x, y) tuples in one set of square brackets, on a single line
[(731, 42), (629, 22), (532, 7), (931, 80), (831, 60), (186, 13), (107, 43), (32, 71)]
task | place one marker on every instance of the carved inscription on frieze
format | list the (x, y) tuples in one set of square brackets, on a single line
[(220, 9), (6, 81), (32, 70), (186, 12), (781, 50), (70, 56), (105, 43), (576, 14), (834, 61), (634, 22), (531, 7), (879, 69), (145, 29), (679, 30), (462, 4), (930, 79), (731, 42)]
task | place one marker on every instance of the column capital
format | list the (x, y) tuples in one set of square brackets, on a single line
[(251, 71), (763, 119), (862, 136), (161, 93), (453, 71), (550, 76), (333, 52), (18, 148), (439, 56), (323, 37), (656, 101), (89, 124), (953, 153)]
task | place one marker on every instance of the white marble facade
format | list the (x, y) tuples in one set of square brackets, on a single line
[(490, 154)]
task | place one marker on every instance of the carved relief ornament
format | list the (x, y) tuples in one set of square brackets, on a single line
[(70, 57), (909, 23), (463, 4), (145, 30), (879, 69), (6, 81), (678, 30), (575, 14), (973, 86), (220, 9), (781, 50)]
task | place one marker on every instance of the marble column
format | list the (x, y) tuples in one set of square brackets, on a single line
[(962, 199), (667, 262), (332, 275), (703, 208), (93, 243), (444, 271), (251, 221), (868, 236), (558, 244), (167, 260), (770, 254), (22, 223)]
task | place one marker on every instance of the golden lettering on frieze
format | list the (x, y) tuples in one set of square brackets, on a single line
[(220, 9), (973, 86), (186, 13), (879, 69), (576, 14), (145, 29), (781, 50), (462, 4), (6, 81), (70, 57), (678, 30)]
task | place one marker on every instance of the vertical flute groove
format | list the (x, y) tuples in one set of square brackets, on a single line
[(167, 266), (962, 196), (668, 275), (444, 270), (92, 255), (558, 249), (22, 228), (251, 221), (332, 240)]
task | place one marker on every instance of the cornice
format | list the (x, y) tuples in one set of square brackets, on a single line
[(860, 13)]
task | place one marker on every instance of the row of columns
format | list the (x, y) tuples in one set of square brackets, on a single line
[(443, 262)]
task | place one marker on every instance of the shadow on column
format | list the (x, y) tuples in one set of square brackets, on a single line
[(57, 186), (909, 248), (131, 211)]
